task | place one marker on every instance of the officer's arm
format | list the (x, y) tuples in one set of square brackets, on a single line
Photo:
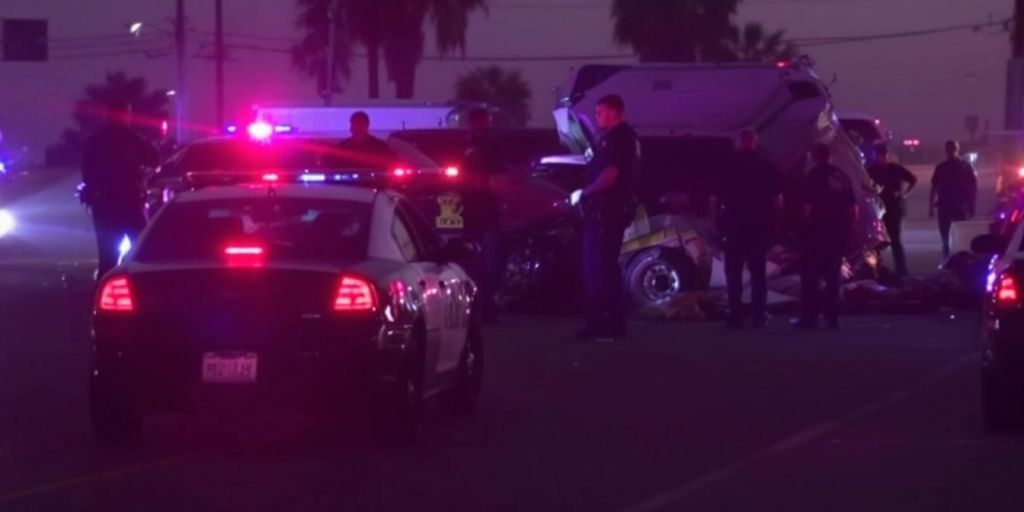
[(973, 189), (910, 179), (604, 181)]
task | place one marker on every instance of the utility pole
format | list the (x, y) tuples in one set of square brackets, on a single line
[(179, 92), (219, 50), (332, 29), (1015, 71)]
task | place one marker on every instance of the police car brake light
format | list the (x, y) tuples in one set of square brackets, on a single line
[(271, 177), (116, 296), (244, 255), (1007, 293), (355, 294)]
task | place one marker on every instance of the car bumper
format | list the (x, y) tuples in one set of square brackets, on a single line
[(163, 377)]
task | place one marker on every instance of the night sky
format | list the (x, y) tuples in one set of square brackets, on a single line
[(922, 87)]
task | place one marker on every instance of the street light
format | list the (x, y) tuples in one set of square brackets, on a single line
[(135, 29)]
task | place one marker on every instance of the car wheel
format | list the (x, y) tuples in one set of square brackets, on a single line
[(407, 421), (658, 274), (464, 396), (115, 421), (1002, 404)]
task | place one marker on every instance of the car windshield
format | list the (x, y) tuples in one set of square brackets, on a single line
[(286, 229)]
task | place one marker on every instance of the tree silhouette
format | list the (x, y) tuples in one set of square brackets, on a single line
[(498, 87), (751, 43), (673, 30), (149, 108)]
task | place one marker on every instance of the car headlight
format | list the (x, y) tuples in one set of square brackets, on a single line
[(7, 223)]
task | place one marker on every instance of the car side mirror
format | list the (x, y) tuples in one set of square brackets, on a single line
[(988, 245)]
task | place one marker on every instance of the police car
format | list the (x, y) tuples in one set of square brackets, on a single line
[(1003, 329), (281, 293)]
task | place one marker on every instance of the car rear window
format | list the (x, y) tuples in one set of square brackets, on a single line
[(287, 230)]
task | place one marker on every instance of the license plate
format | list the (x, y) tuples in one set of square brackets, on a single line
[(229, 367)]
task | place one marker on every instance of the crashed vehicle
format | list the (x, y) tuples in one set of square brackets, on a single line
[(687, 117)]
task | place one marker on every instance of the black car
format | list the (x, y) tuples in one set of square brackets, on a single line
[(275, 296), (1003, 332)]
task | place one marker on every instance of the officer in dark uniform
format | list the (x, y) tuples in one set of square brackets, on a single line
[(485, 171), (113, 174), (363, 146), (608, 206), (894, 183), (746, 208), (829, 213), (954, 192)]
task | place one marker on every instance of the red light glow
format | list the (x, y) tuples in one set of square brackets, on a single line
[(116, 296), (355, 294), (271, 177), (400, 172), (451, 171), (1007, 292)]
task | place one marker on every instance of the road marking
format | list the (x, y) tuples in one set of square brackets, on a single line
[(86, 479), (666, 498)]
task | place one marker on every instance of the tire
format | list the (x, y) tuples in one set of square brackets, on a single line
[(463, 398), (408, 403), (1002, 404), (115, 420), (656, 275)]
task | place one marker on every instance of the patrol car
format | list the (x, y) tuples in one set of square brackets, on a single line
[(284, 293), (1003, 329)]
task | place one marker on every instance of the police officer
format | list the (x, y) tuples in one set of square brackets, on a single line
[(485, 170), (746, 208), (608, 207), (954, 192), (363, 146), (894, 182), (829, 213), (112, 171)]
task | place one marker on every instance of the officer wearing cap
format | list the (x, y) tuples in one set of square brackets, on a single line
[(608, 206), (364, 146), (112, 172)]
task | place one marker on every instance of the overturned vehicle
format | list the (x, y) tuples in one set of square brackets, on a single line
[(687, 117)]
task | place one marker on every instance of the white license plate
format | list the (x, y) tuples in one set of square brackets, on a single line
[(229, 367)]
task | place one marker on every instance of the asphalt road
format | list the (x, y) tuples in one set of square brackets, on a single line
[(881, 415)]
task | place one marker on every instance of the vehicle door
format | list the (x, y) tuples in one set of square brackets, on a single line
[(451, 291)]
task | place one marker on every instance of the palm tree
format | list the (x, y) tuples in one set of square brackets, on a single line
[(309, 54), (394, 27), (672, 30), (505, 89), (149, 107), (751, 43)]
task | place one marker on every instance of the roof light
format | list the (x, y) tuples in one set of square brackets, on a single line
[(231, 128), (782, 64), (355, 294), (313, 178), (164, 128), (271, 177), (116, 296), (123, 248), (260, 130), (399, 172), (283, 128), (451, 171), (1020, 172)]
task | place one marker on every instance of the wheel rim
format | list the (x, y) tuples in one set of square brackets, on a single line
[(660, 282)]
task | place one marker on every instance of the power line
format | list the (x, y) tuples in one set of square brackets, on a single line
[(828, 41), (149, 53)]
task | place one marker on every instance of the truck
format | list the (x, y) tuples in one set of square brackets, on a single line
[(687, 117)]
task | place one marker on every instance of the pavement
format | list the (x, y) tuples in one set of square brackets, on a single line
[(881, 415)]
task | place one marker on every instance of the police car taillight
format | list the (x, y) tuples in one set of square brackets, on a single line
[(116, 296), (1007, 293), (355, 294)]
